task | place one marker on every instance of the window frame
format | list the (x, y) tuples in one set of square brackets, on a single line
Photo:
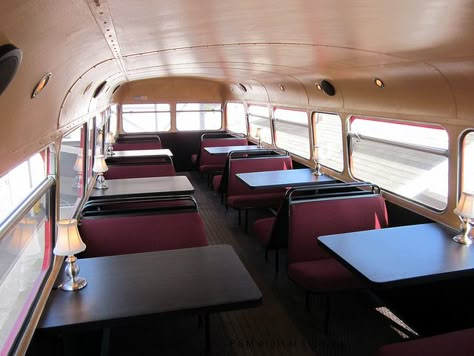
[(275, 120), (421, 148), (462, 164), (46, 189), (245, 117), (315, 140), (156, 111), (221, 111), (270, 123), (83, 174)]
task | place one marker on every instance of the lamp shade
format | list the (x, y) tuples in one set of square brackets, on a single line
[(68, 241), (465, 206), (99, 164), (78, 164), (258, 134), (109, 138)]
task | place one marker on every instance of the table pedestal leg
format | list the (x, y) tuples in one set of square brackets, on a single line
[(104, 347)]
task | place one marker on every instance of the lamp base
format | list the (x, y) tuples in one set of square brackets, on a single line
[(317, 173), (462, 239), (100, 182), (101, 186), (74, 284)]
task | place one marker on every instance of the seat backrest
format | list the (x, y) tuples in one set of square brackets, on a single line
[(309, 219), (137, 142), (124, 234), (137, 145), (140, 170), (138, 137), (206, 159), (223, 134), (279, 234), (254, 164), (246, 154), (139, 205)]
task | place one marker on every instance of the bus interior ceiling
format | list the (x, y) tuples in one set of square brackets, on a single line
[(407, 61)]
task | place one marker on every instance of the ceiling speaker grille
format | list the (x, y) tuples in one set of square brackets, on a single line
[(10, 59)]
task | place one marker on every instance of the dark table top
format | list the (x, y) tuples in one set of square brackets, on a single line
[(283, 178), (402, 256), (171, 185), (203, 279), (224, 150), (141, 153)]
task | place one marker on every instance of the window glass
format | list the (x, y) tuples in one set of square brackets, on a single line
[(99, 135), (25, 252), (146, 117), (71, 179), (198, 116), (259, 110), (17, 184), (259, 118), (291, 131), (90, 149), (407, 159), (113, 120), (468, 163), (328, 138), (236, 121)]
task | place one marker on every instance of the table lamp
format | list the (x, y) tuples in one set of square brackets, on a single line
[(258, 135), (78, 169), (100, 167), (109, 141), (68, 243), (317, 165), (465, 211)]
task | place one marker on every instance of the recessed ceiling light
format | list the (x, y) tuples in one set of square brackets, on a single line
[(318, 86), (282, 88), (379, 82), (41, 85)]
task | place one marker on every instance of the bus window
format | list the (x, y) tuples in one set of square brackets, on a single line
[(235, 115), (407, 159), (468, 163), (112, 125), (328, 138), (291, 131), (25, 243), (71, 179), (146, 117), (259, 118), (197, 117), (90, 150), (17, 184), (99, 134)]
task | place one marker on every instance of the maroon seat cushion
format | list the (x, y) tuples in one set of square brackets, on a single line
[(216, 182), (139, 171), (116, 235), (262, 229), (323, 276), (457, 343)]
